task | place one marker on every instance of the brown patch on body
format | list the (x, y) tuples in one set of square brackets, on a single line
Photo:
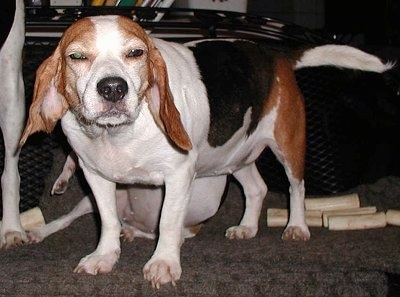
[(290, 124)]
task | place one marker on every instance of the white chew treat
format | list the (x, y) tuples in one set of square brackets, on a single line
[(32, 218), (351, 211), (333, 203), (357, 222), (278, 217), (314, 221), (393, 217)]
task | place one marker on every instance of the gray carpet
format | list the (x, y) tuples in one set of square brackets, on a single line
[(341, 263)]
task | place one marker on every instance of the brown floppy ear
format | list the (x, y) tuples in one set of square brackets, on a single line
[(48, 105), (162, 104)]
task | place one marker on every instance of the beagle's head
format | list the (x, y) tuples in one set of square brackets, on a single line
[(102, 70)]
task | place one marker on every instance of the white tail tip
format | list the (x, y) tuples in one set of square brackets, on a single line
[(342, 56)]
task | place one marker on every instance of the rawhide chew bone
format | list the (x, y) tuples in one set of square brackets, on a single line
[(357, 222), (393, 217), (31, 218), (351, 211), (333, 203)]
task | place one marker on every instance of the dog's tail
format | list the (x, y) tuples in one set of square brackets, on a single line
[(341, 56)]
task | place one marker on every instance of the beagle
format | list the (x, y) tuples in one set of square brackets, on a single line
[(140, 111), (12, 117)]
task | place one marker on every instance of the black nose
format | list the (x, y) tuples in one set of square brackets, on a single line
[(112, 88)]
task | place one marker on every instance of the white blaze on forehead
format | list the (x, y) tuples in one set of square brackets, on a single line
[(108, 35)]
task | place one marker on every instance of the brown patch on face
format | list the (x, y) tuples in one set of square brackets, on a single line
[(80, 36), (55, 84), (290, 125), (162, 105), (130, 29)]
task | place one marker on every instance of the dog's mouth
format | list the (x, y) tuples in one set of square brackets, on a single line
[(111, 116)]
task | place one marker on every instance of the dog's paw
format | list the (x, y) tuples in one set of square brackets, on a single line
[(34, 236), (129, 233), (296, 233), (240, 232), (98, 263), (13, 239), (60, 186), (160, 271)]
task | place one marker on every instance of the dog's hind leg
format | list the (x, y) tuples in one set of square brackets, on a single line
[(84, 206), (12, 110), (255, 191), (62, 182), (296, 228), (289, 147)]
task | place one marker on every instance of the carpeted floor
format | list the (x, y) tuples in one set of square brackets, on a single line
[(342, 263)]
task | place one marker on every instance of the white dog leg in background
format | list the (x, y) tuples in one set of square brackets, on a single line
[(12, 112), (62, 182)]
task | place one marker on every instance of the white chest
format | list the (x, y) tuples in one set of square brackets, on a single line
[(120, 155)]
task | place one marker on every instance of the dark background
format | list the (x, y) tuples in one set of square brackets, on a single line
[(376, 21)]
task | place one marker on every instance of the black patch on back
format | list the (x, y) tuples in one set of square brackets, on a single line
[(237, 76)]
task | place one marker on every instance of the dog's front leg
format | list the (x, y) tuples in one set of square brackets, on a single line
[(164, 266), (107, 253), (12, 115)]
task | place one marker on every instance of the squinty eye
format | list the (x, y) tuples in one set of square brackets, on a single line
[(135, 53), (77, 56)]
